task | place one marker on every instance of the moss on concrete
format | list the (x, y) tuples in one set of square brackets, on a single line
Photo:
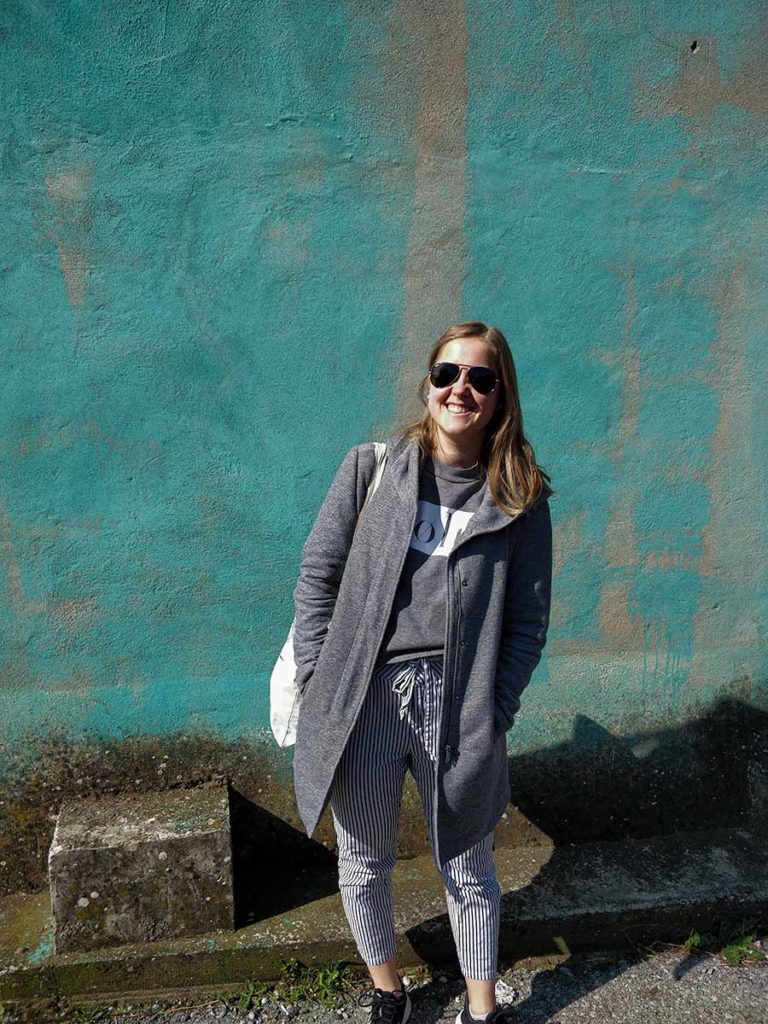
[(702, 774)]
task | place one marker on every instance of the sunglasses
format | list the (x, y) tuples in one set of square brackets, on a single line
[(481, 378)]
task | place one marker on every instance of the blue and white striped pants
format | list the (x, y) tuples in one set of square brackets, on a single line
[(398, 728)]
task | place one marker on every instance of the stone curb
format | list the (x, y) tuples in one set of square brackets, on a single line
[(556, 900)]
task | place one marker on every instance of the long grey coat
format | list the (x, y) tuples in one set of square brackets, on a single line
[(498, 593)]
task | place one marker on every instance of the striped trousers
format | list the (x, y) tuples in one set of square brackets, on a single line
[(398, 728)]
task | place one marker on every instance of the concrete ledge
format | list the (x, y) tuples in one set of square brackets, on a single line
[(556, 900), (141, 867)]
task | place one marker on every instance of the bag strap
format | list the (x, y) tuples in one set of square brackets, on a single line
[(381, 458)]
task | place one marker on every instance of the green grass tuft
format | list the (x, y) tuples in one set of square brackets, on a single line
[(327, 984), (735, 945)]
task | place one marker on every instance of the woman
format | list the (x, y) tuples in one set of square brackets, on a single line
[(413, 645)]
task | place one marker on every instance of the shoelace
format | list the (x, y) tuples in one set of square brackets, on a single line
[(384, 1006)]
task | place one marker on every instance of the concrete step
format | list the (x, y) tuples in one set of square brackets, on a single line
[(556, 900), (139, 867)]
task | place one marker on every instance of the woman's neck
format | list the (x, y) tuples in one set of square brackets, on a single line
[(455, 455)]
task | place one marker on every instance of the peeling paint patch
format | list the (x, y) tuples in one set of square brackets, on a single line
[(566, 30), (13, 585), (434, 263), (617, 624), (730, 378), (43, 951), (70, 228), (732, 556), (697, 88), (567, 538), (620, 534), (73, 616)]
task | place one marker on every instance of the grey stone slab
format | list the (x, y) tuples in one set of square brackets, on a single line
[(556, 900), (141, 867)]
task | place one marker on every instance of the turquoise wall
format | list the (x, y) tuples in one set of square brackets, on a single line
[(232, 231)]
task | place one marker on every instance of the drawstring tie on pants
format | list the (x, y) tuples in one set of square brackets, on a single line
[(404, 685)]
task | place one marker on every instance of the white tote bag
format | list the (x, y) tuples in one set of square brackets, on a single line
[(284, 696)]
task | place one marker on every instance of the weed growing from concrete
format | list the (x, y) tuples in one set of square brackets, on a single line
[(421, 974), (249, 996), (735, 945), (83, 1015), (327, 984)]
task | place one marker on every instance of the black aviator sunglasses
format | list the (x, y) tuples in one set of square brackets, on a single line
[(481, 378)]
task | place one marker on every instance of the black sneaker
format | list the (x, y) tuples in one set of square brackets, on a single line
[(503, 1013), (387, 1007)]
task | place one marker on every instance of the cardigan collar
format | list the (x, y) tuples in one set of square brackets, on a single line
[(403, 456)]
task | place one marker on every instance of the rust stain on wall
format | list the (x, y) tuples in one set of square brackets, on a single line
[(70, 228), (73, 616), (434, 265), (617, 623), (730, 544), (697, 88), (567, 537)]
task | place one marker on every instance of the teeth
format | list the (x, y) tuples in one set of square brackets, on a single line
[(457, 408)]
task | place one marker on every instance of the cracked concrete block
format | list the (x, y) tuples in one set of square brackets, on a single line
[(141, 867)]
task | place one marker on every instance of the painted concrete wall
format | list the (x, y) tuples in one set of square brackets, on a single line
[(232, 231)]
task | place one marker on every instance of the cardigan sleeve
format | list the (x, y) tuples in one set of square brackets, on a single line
[(526, 611), (324, 556)]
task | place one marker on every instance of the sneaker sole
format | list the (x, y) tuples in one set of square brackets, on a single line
[(408, 1008)]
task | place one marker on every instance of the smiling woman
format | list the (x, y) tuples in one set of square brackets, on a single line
[(461, 409), (417, 628)]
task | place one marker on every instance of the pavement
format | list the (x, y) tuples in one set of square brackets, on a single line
[(559, 904), (663, 986)]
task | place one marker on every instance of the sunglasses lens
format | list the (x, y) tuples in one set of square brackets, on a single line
[(443, 375), (482, 379)]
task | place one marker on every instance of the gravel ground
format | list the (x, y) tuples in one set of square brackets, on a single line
[(661, 987)]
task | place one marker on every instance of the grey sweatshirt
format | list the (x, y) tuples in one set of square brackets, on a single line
[(448, 498)]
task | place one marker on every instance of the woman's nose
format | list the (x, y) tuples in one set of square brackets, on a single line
[(462, 384)]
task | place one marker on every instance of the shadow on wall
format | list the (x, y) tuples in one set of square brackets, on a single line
[(709, 774)]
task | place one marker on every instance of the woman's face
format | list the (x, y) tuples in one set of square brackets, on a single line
[(459, 411)]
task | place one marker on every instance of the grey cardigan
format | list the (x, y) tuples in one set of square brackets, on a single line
[(498, 579)]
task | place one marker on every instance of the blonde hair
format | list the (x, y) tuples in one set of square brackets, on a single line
[(515, 480)]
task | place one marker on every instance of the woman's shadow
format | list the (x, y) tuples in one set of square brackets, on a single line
[(599, 788)]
